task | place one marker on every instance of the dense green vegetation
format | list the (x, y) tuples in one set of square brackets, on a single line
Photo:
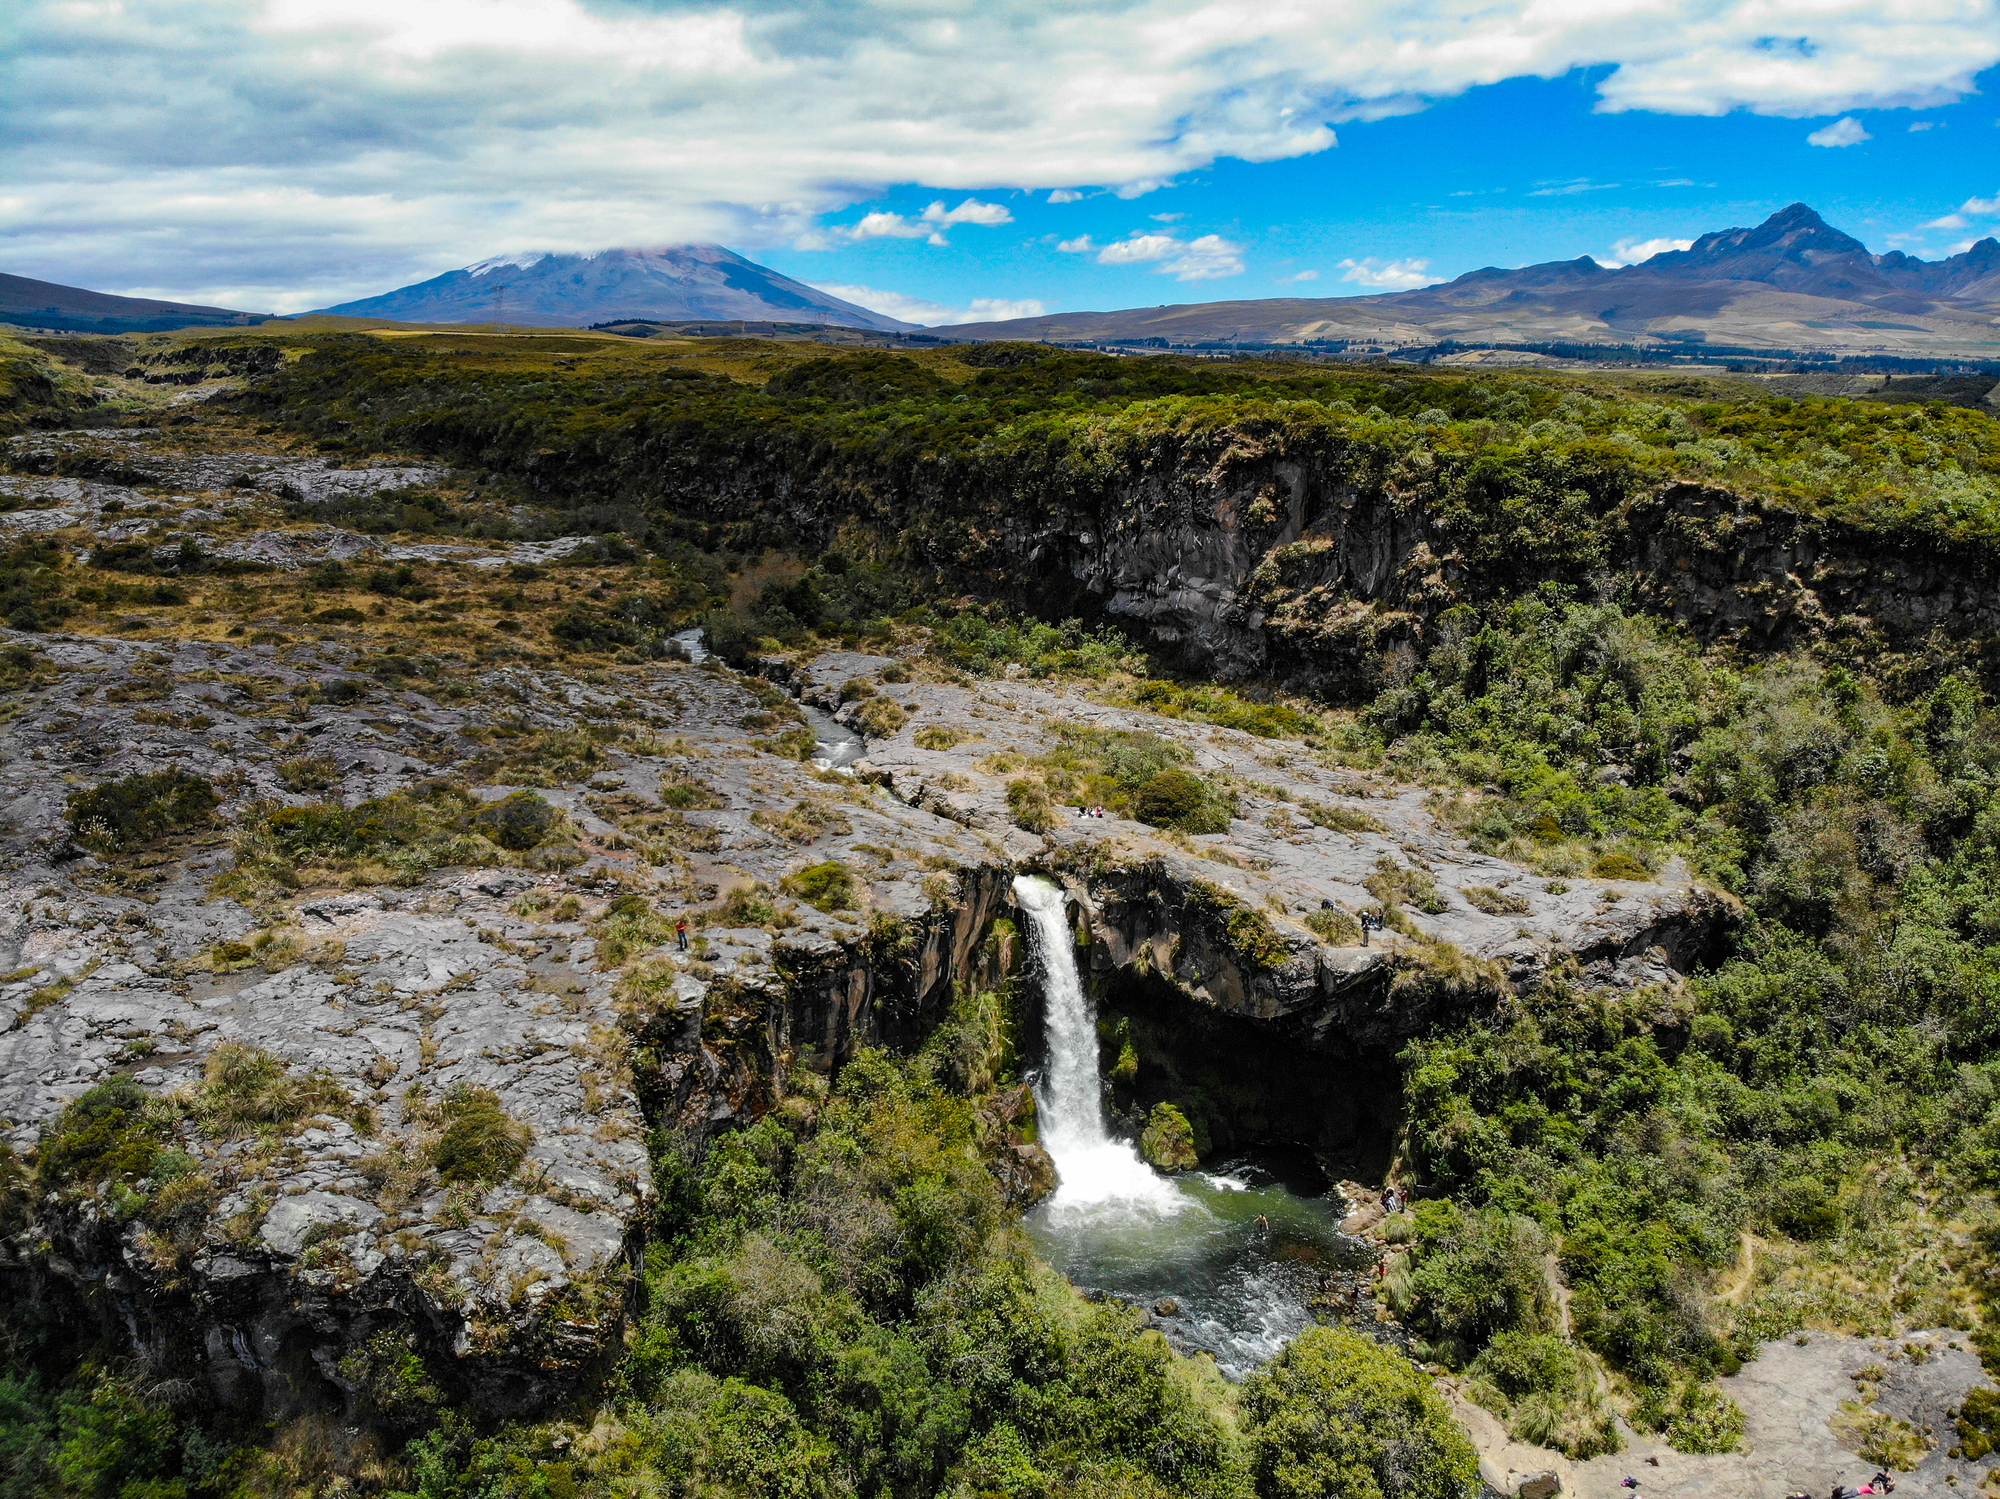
[(1526, 475), (1829, 1083), (836, 1302)]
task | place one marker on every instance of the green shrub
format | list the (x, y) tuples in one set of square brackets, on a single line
[(1169, 797), (111, 1132), (1337, 1414), (1029, 805), (934, 736), (1476, 1275), (1803, 1209), (480, 1143), (139, 808), (829, 886), (518, 822), (1699, 1418), (390, 1375), (118, 1444), (856, 688), (32, 584), (1619, 867), (1545, 1391), (1223, 706), (1979, 1424)]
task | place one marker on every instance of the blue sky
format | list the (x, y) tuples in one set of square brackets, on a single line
[(1507, 174), (950, 159)]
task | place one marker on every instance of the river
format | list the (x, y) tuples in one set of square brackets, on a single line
[(839, 746)]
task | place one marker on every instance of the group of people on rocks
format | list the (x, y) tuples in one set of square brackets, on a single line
[(1091, 812)]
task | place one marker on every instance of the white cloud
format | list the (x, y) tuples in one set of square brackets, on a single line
[(1166, 218), (971, 211), (1566, 189), (1138, 249), (1083, 244), (306, 150), (1632, 251), (1846, 131), (928, 226), (1206, 258), (1949, 221), (1297, 276), (1065, 195), (1984, 207), (1001, 309), (1923, 125), (929, 314), (1388, 275)]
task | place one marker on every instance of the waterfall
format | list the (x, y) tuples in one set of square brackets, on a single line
[(1093, 1170)]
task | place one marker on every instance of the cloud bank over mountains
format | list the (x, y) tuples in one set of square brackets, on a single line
[(377, 136)]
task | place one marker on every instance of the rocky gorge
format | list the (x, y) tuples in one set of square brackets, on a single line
[(521, 980), (411, 953)]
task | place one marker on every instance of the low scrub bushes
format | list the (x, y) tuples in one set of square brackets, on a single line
[(1546, 1391), (140, 808), (1338, 1414), (395, 838), (828, 886)]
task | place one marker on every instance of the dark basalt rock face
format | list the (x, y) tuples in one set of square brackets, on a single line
[(1251, 558)]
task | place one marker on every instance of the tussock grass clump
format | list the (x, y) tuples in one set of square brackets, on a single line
[(1395, 885), (937, 736), (1497, 902), (881, 718), (630, 924), (1341, 928), (1338, 819), (809, 820), (245, 1089), (308, 773), (1028, 803), (479, 1143)]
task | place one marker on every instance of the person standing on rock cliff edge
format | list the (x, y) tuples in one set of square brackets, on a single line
[(681, 933)]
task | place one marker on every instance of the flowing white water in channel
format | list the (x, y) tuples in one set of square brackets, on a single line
[(1093, 1170)]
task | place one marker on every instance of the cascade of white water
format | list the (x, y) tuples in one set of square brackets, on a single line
[(1093, 1170)]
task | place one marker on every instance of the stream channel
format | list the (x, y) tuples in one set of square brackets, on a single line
[(1238, 1248), (839, 747)]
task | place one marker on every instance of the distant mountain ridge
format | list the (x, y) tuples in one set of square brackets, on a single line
[(25, 302), (665, 283), (1791, 282)]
